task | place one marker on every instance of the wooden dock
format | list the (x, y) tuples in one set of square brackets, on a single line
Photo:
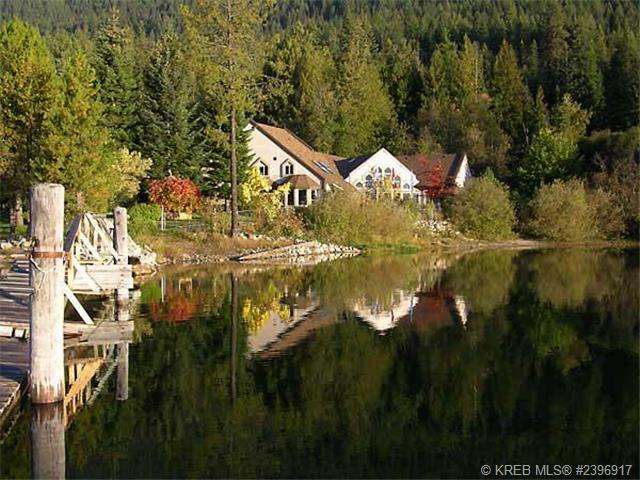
[(14, 364), (90, 267)]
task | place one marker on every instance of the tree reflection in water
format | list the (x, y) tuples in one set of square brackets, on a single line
[(496, 357)]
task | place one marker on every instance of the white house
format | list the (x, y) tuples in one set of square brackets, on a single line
[(367, 171), (285, 158)]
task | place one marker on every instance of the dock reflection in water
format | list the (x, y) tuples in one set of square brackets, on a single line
[(396, 366)]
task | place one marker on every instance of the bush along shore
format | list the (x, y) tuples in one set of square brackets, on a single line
[(482, 215)]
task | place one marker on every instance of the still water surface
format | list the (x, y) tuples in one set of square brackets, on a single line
[(394, 366)]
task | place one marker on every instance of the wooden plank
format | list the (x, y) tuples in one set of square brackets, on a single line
[(72, 234), (14, 361), (83, 379), (87, 244), (85, 276), (105, 238), (77, 305)]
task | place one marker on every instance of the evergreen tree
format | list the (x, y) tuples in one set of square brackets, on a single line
[(443, 77), (226, 35), (402, 76), (365, 111), (469, 71), (170, 133), (29, 97), (282, 67), (531, 66), (584, 81), (511, 97), (554, 51), (623, 83), (315, 115), (119, 81)]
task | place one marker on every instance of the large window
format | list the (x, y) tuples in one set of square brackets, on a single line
[(264, 169)]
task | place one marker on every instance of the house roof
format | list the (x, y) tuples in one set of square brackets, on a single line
[(298, 182), (422, 165), (321, 164), (347, 165)]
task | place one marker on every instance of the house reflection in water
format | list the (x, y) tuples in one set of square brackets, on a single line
[(424, 310), (437, 307), (383, 318), (299, 308)]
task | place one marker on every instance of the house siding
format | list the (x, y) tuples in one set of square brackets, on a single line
[(384, 160), (265, 150)]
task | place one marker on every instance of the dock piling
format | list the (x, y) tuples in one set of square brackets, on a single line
[(46, 318)]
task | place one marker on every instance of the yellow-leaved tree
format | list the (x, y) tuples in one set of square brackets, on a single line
[(265, 202)]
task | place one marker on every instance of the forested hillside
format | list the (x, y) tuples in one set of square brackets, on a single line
[(533, 90)]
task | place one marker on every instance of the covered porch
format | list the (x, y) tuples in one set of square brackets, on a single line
[(303, 190)]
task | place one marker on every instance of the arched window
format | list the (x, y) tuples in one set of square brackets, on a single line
[(369, 181), (396, 182), (406, 186), (264, 169), (287, 169), (387, 172), (359, 185)]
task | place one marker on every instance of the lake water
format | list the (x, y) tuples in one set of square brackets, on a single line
[(378, 366)]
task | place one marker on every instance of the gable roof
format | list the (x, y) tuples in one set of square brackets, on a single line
[(422, 165), (347, 165), (321, 164)]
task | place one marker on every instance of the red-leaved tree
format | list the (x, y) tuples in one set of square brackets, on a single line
[(436, 184), (175, 194)]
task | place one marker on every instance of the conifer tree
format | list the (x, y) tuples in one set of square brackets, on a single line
[(365, 110), (511, 97), (170, 133), (118, 77), (584, 81), (554, 51), (226, 36), (316, 101), (623, 83)]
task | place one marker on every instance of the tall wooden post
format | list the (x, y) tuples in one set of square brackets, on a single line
[(47, 301), (122, 372), (47, 441), (121, 246)]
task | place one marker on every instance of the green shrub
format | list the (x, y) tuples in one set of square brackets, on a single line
[(565, 211), (607, 214), (560, 211), (483, 210), (352, 218), (286, 224), (144, 219)]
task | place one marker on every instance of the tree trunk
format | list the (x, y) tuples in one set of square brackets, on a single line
[(234, 334), (233, 167), (15, 215)]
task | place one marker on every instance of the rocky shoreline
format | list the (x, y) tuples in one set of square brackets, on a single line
[(299, 252)]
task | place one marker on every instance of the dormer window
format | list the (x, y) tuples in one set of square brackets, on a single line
[(263, 168), (287, 169)]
